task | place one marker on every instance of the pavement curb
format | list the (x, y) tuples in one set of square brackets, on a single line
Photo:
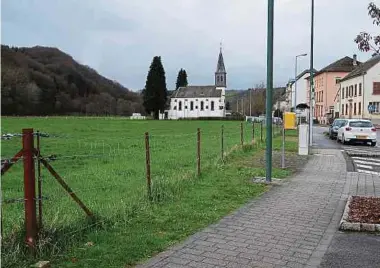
[(345, 225)]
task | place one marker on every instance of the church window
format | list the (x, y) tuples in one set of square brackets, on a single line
[(221, 78), (191, 105), (202, 105), (196, 107), (217, 79), (175, 100), (175, 108), (185, 107), (212, 106), (180, 106), (221, 107), (206, 107)]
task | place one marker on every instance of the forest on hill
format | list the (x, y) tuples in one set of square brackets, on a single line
[(46, 81)]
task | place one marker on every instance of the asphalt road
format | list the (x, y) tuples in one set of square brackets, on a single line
[(348, 249)]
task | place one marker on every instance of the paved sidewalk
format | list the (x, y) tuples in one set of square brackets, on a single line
[(364, 184), (289, 226)]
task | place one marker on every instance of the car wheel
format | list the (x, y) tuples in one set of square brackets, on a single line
[(343, 140), (373, 144)]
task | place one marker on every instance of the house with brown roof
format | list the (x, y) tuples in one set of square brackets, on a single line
[(326, 87), (201, 101), (359, 94)]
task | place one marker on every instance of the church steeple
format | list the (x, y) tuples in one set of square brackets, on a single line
[(220, 74)]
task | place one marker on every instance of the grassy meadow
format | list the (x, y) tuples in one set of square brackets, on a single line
[(103, 161)]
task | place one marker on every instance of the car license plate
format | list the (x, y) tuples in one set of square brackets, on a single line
[(361, 137)]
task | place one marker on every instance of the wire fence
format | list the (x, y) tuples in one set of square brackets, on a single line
[(111, 178)]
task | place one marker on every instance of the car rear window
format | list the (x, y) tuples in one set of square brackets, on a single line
[(339, 123), (360, 124)]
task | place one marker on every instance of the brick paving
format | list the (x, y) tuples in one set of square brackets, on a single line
[(289, 226), (364, 184)]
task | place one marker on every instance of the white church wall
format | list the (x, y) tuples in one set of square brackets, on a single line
[(192, 107)]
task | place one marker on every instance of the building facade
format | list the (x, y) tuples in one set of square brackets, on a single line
[(201, 101), (359, 89), (326, 87)]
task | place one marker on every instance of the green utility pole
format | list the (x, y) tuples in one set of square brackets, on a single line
[(268, 109), (311, 97)]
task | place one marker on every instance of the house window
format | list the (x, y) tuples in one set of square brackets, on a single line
[(191, 105), (352, 91), (346, 109), (202, 106), (355, 108), (342, 109), (359, 108), (322, 96), (347, 92), (376, 105), (360, 89), (356, 90), (180, 106), (376, 88), (342, 93), (212, 106)]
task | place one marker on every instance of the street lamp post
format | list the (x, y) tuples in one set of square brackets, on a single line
[(268, 152), (250, 102), (311, 97), (295, 81)]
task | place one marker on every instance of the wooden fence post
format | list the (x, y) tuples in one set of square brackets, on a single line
[(253, 131), (241, 134), (222, 143), (29, 189), (148, 178), (261, 132), (198, 151), (39, 181)]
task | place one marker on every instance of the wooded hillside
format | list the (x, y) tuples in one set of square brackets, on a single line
[(46, 81)]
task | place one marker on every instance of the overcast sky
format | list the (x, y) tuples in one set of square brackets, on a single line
[(119, 38)]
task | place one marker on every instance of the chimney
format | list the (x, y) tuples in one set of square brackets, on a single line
[(354, 62)]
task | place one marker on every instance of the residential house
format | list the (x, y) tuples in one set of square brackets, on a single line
[(326, 86), (359, 89), (301, 85), (201, 101)]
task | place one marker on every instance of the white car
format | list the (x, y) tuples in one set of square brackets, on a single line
[(357, 130)]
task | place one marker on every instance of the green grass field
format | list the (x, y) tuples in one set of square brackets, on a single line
[(103, 161)]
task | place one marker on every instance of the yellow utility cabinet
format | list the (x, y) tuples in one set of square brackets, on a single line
[(290, 120)]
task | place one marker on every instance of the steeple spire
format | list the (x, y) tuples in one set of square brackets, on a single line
[(220, 74)]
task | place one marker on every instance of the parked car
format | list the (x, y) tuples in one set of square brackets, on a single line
[(333, 129), (357, 130)]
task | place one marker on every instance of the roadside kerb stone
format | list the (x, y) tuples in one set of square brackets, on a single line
[(346, 225)]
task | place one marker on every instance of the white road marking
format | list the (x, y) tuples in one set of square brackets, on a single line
[(364, 166), (366, 158), (368, 172), (367, 162)]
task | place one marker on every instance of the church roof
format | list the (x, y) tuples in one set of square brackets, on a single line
[(220, 66), (197, 92)]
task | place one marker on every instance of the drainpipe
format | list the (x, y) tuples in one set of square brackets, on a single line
[(363, 92)]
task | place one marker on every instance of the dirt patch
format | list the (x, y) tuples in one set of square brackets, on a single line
[(365, 210), (293, 161)]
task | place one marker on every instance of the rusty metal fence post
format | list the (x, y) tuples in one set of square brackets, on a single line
[(241, 134), (198, 151), (222, 143), (148, 178), (39, 181), (29, 189)]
